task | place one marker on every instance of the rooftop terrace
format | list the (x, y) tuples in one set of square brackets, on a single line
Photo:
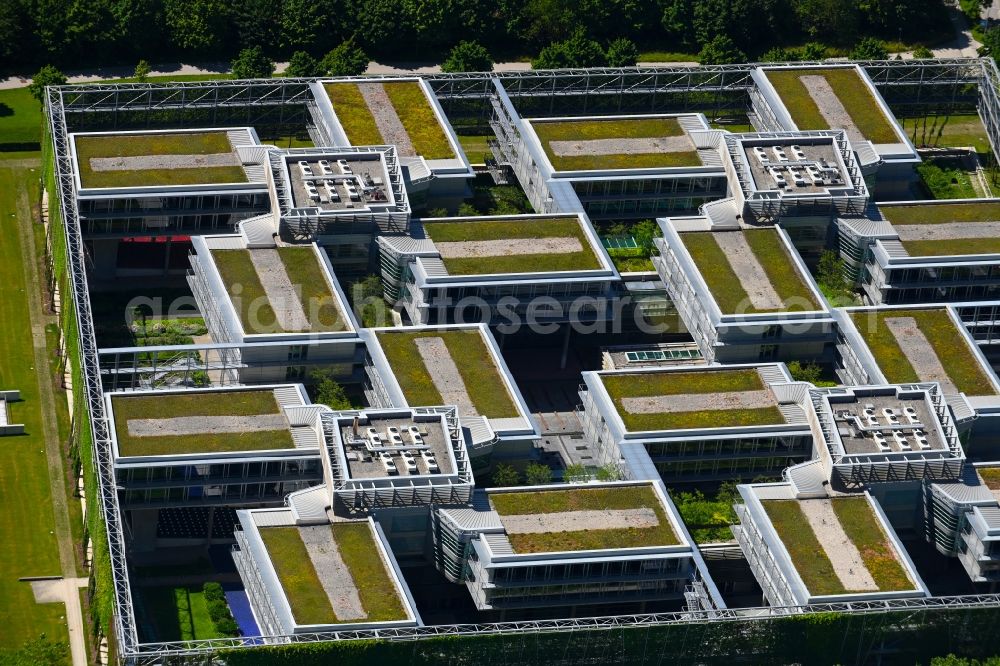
[(615, 143), (513, 245), (935, 230), (838, 545), (922, 345), (709, 398), (395, 113), (819, 98), (167, 158), (749, 272), (557, 519), (333, 574), (280, 290), (448, 367), (201, 422)]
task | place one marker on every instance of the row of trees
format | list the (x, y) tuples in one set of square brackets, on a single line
[(102, 32)]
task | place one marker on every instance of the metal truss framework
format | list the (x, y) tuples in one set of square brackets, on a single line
[(77, 102)]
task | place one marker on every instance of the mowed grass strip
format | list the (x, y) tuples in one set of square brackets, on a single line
[(419, 120), (863, 529), (472, 357), (227, 403), (140, 145), (808, 557), (297, 576), (942, 213), (354, 115), (372, 579), (644, 385), (246, 291), (305, 271), (947, 341), (588, 130), (718, 274), (850, 89), (781, 271), (21, 120), (456, 232), (952, 247), (178, 613), (586, 499)]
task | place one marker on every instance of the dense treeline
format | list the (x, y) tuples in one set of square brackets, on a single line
[(74, 33)]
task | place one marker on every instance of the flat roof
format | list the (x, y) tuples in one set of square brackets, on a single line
[(922, 345), (129, 159), (490, 246), (448, 367), (800, 165), (333, 574), (285, 289), (557, 518), (704, 398), (860, 422), (587, 144), (946, 229), (838, 545), (819, 98), (339, 182), (395, 113), (364, 456), (749, 271), (175, 423)]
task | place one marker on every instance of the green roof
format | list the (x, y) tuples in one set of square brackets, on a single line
[(473, 357), (725, 285), (944, 213), (308, 600), (143, 145), (949, 343), (990, 477), (414, 110), (304, 271), (126, 408), (514, 228), (851, 89), (651, 384), (562, 500), (613, 128)]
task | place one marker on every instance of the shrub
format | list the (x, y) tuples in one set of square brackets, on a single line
[(46, 76), (218, 609), (301, 64), (869, 48), (347, 59), (721, 51), (537, 475), (251, 63), (468, 57), (505, 475), (622, 52)]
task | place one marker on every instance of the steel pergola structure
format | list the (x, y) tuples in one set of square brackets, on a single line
[(68, 106)]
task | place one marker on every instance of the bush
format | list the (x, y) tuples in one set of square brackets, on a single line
[(347, 59), (301, 64), (576, 473), (251, 63), (812, 51), (922, 52), (869, 48), (468, 57), (46, 76), (577, 51), (721, 51), (218, 609), (505, 476), (622, 52), (537, 475)]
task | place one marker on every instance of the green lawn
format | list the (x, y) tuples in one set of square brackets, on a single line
[(228, 403), (371, 577), (20, 120), (849, 87), (808, 557), (178, 613), (948, 343), (945, 179), (585, 130), (304, 270), (585, 499), (479, 230), (948, 131), (475, 146), (640, 385), (942, 213), (187, 143), (863, 529), (27, 523), (473, 359)]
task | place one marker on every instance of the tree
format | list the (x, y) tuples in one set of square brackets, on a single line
[(328, 392), (608, 473), (468, 57), (830, 270), (197, 25), (303, 24), (922, 52), (869, 48), (302, 64), (347, 59), (778, 54), (721, 51), (812, 51), (576, 473), (644, 232), (622, 52), (142, 70), (46, 76), (577, 51), (537, 475), (38, 652), (678, 21), (505, 475), (810, 372), (251, 63), (991, 43)]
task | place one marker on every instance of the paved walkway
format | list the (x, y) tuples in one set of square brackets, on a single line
[(333, 573), (205, 425), (919, 352), (66, 591), (508, 247), (622, 146), (578, 521), (699, 402), (947, 231), (830, 106), (843, 554), (387, 120), (281, 293), (748, 270), (445, 375)]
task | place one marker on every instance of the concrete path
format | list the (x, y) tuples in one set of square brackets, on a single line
[(66, 591), (662, 144), (919, 352), (698, 402), (333, 574), (390, 126), (843, 554), (445, 375), (281, 293), (830, 106), (205, 425), (142, 162), (948, 231), (747, 267), (508, 247), (578, 521)]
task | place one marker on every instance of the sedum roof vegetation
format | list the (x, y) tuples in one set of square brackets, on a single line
[(585, 499), (141, 145), (301, 584), (415, 112), (724, 283), (221, 403), (812, 562), (649, 384), (488, 230), (990, 477), (949, 344), (619, 128), (852, 91), (483, 382), (946, 214), (304, 271)]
